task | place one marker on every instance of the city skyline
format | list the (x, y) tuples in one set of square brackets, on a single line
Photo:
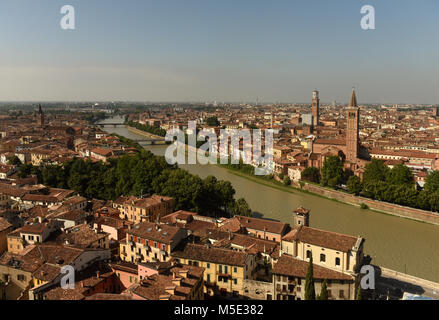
[(224, 52)]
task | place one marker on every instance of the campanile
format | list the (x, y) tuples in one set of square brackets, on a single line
[(315, 108), (353, 129)]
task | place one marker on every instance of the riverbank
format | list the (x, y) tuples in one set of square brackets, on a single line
[(339, 196), (399, 244), (144, 133), (373, 205)]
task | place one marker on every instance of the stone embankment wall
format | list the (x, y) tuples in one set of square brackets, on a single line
[(389, 208)]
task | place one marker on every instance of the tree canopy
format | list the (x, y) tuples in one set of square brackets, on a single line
[(311, 174), (332, 171), (138, 175), (375, 171), (212, 121), (354, 185)]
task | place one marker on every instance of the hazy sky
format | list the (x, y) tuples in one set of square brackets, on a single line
[(223, 50)]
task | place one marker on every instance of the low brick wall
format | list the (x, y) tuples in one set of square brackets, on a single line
[(389, 208)]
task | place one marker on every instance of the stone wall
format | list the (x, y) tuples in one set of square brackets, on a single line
[(389, 208)]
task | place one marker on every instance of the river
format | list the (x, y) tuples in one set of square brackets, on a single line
[(396, 243)]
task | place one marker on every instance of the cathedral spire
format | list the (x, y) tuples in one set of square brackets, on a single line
[(353, 102)]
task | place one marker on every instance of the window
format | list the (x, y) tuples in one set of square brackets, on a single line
[(21, 277), (235, 269), (235, 281), (208, 278), (341, 294), (220, 269), (226, 269), (337, 261), (208, 265), (322, 257), (308, 254)]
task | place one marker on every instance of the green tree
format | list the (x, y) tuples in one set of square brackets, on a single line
[(241, 208), (310, 293), (287, 180), (324, 291), (400, 175), (432, 182), (332, 171), (15, 161), (311, 174), (375, 171), (354, 185), (359, 293), (212, 122), (434, 201)]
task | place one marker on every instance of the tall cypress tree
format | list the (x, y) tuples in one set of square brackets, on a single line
[(324, 291), (310, 293), (359, 293)]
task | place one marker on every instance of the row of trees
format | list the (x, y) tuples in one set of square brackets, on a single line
[(154, 130), (138, 175), (394, 185)]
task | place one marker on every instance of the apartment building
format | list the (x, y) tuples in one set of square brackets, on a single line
[(149, 242), (225, 269), (144, 209)]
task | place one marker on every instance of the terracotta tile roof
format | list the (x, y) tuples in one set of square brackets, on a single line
[(287, 265), (72, 215), (337, 142), (109, 296), (322, 238), (4, 224), (81, 236), (259, 224), (36, 228), (156, 286), (159, 232)]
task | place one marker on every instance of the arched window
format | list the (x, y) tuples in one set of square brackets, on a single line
[(337, 261), (308, 254)]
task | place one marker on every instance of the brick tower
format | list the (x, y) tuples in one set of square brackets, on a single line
[(353, 129), (40, 116), (315, 108)]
